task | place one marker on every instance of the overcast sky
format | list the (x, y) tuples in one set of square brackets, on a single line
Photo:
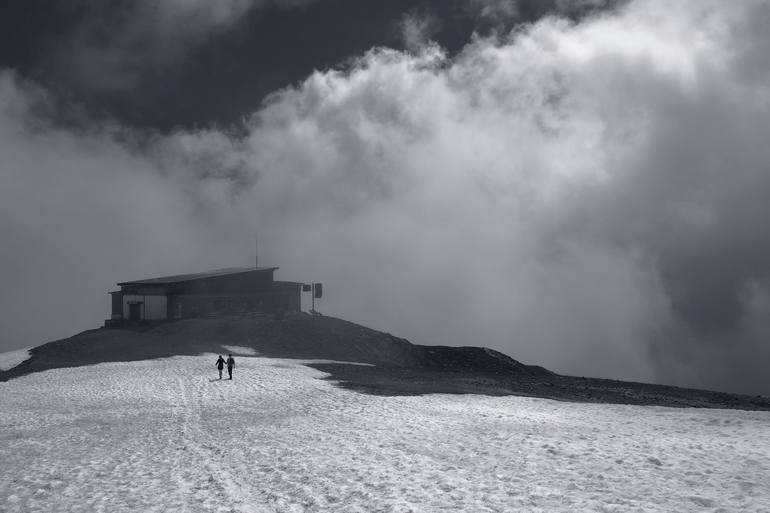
[(583, 185)]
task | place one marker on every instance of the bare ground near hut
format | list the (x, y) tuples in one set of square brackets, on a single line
[(397, 367)]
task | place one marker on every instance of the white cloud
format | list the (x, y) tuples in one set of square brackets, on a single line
[(506, 11), (417, 30)]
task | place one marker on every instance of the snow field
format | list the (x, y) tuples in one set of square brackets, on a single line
[(164, 435), (11, 359)]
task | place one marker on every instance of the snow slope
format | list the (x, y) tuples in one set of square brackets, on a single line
[(162, 435), (11, 359)]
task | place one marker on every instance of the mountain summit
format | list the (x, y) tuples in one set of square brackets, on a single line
[(395, 366)]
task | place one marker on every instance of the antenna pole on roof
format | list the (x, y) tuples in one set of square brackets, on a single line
[(256, 253)]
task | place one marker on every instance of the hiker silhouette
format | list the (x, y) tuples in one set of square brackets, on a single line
[(230, 365), (220, 365)]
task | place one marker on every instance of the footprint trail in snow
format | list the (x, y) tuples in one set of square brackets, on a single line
[(161, 435)]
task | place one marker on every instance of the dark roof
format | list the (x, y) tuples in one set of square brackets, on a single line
[(178, 278)]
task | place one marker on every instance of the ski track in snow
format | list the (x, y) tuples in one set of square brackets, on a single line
[(162, 435)]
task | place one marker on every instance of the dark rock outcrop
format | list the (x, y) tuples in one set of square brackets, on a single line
[(396, 366)]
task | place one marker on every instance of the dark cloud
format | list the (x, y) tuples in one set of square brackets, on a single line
[(171, 63)]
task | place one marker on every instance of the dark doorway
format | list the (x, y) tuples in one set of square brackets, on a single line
[(134, 311)]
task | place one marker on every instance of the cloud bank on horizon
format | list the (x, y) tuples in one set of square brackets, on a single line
[(586, 195)]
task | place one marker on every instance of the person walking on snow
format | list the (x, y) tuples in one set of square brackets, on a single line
[(220, 365), (230, 365)]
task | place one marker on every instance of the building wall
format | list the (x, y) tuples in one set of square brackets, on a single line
[(153, 307), (242, 283), (144, 290), (116, 300), (292, 291), (241, 293), (198, 305)]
